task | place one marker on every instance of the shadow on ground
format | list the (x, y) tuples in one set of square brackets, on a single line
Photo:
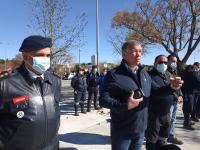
[(85, 138)]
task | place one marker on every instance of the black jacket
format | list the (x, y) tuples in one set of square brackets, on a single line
[(79, 83), (93, 79), (38, 127), (191, 81), (118, 85), (162, 95)]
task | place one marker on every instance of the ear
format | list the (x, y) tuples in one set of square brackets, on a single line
[(24, 55)]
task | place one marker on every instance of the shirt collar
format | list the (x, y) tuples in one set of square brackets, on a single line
[(34, 75)]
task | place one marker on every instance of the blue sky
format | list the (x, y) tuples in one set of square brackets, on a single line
[(15, 16)]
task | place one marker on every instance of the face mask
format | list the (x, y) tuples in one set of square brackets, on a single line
[(41, 64), (81, 72), (161, 68), (95, 70), (173, 65)]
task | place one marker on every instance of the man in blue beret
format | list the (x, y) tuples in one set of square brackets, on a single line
[(29, 100)]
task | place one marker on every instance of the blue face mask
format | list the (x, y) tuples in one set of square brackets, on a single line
[(161, 68), (173, 65), (41, 64)]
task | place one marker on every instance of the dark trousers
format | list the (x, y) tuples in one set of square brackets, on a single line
[(195, 106), (121, 141), (198, 106), (188, 107), (79, 98), (92, 91), (158, 126)]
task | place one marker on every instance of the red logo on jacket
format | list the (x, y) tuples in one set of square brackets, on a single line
[(20, 99)]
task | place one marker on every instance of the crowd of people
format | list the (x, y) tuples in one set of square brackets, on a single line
[(143, 102), (131, 89), (87, 82)]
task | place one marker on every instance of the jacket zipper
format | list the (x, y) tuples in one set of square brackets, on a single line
[(45, 114), (46, 121)]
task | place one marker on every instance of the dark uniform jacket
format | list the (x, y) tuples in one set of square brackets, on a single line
[(29, 116), (79, 83), (93, 79), (118, 86), (162, 95), (191, 81)]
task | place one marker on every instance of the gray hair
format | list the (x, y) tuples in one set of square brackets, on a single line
[(128, 43)]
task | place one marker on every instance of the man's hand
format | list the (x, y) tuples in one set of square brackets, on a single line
[(133, 103), (180, 99), (176, 83)]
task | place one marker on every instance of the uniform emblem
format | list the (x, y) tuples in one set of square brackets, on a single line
[(20, 114), (20, 99)]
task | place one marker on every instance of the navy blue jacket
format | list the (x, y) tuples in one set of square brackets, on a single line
[(93, 79), (118, 85), (79, 83)]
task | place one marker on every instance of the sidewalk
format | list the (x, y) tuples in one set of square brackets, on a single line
[(91, 131)]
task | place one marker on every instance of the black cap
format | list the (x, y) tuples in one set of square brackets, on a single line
[(34, 43)]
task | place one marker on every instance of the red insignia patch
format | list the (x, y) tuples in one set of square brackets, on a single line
[(20, 99)]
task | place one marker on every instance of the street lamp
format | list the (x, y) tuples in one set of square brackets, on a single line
[(97, 33)]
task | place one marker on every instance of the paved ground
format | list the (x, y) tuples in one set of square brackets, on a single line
[(91, 131)]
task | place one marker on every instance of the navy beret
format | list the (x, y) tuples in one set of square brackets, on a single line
[(34, 43)]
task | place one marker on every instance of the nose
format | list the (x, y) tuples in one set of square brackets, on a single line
[(138, 54)]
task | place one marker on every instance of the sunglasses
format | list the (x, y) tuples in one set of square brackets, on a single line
[(162, 62)]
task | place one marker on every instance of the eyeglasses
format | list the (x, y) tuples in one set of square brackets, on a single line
[(162, 62)]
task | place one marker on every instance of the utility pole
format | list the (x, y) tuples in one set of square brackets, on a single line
[(79, 46), (5, 61), (97, 32)]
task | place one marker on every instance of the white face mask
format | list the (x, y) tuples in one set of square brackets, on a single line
[(81, 72), (173, 65), (161, 68), (41, 64)]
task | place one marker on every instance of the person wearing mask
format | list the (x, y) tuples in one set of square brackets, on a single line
[(80, 86), (172, 72), (191, 77), (126, 93), (29, 100), (161, 100), (93, 88)]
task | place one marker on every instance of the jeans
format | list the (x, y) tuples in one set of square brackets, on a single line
[(173, 111), (122, 141)]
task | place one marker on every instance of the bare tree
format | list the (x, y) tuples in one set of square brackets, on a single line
[(50, 19), (172, 24)]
